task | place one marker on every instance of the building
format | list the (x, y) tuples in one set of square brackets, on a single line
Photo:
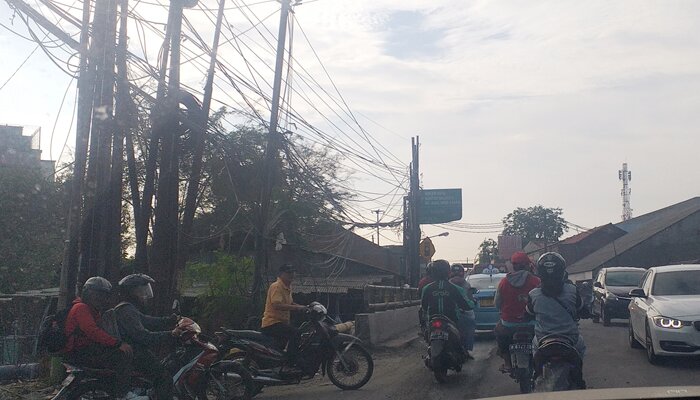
[(667, 236), (580, 245), (20, 150)]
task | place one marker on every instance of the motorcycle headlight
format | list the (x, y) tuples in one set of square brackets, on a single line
[(668, 323)]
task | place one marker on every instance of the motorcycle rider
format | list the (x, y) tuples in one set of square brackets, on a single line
[(89, 345), (556, 307), (442, 297), (424, 281), (466, 322), (276, 320), (145, 332), (511, 299)]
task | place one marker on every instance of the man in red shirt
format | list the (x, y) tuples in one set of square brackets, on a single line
[(89, 345), (511, 299)]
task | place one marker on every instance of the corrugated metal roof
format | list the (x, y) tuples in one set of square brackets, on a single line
[(644, 228)]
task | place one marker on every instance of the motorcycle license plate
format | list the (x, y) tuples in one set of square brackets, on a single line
[(521, 347), (439, 335)]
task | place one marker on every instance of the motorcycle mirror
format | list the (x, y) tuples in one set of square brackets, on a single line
[(176, 306)]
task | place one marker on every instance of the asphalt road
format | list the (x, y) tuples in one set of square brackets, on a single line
[(400, 374)]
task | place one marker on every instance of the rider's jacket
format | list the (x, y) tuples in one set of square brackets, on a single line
[(443, 297), (556, 315), (81, 328), (511, 295), (137, 328)]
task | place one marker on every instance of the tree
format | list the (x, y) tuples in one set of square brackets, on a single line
[(33, 212), (536, 223), (488, 251)]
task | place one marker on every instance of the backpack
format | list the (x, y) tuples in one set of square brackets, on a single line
[(108, 321), (52, 331)]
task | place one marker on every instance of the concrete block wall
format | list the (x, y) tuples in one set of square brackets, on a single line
[(378, 327)]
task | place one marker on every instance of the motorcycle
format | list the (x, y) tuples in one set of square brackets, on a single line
[(557, 365), (444, 348), (195, 366), (521, 358), (321, 348)]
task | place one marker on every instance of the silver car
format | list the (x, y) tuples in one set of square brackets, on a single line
[(665, 312)]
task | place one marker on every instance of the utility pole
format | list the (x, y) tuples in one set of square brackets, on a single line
[(270, 161), (377, 212), (412, 224), (625, 176), (167, 127)]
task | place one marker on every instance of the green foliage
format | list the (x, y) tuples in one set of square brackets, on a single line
[(488, 251), (32, 222), (536, 224), (306, 187), (226, 283)]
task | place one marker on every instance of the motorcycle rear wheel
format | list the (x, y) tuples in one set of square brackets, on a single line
[(355, 358), (440, 374), (524, 380), (233, 382)]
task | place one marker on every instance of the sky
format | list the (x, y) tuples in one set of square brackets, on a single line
[(518, 103)]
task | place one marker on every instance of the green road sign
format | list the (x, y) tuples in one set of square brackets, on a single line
[(436, 206)]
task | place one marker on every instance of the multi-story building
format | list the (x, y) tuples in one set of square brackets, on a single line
[(18, 149)]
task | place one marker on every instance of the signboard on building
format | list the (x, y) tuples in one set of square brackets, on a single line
[(437, 206), (509, 244)]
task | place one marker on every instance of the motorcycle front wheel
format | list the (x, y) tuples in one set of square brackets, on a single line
[(354, 372), (91, 391)]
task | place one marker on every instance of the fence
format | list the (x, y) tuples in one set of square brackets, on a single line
[(16, 348), (378, 298)]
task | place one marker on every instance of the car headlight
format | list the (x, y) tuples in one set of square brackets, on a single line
[(668, 323), (611, 296)]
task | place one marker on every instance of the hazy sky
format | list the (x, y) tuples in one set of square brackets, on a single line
[(517, 102)]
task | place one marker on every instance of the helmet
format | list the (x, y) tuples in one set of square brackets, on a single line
[(98, 284), (457, 269), (138, 285), (520, 260), (441, 269), (551, 267)]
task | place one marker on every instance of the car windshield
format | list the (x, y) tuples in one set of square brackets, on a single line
[(623, 278), (677, 283), (485, 282)]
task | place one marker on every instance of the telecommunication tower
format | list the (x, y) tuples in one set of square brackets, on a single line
[(625, 176)]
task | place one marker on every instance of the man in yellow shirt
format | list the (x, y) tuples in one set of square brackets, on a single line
[(278, 306)]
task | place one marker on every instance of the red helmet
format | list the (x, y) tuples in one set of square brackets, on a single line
[(520, 260)]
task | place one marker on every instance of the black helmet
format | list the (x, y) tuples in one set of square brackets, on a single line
[(441, 269), (457, 269), (429, 270), (138, 285), (97, 284), (551, 267)]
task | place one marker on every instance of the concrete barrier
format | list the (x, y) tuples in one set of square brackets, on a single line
[(378, 327)]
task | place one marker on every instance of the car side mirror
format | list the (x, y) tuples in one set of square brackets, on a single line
[(637, 292), (598, 285)]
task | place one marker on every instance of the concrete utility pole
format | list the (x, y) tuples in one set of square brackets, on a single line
[(625, 176), (377, 212), (270, 161), (412, 225)]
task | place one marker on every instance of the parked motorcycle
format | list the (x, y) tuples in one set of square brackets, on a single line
[(321, 348), (445, 351), (521, 358), (195, 367), (557, 365)]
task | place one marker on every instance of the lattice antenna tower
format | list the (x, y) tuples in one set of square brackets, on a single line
[(625, 176)]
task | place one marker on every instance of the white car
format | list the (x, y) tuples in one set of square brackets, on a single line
[(665, 312)]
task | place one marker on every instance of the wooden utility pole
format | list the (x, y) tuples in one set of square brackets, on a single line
[(167, 127), (198, 131), (377, 212), (270, 163), (86, 82)]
